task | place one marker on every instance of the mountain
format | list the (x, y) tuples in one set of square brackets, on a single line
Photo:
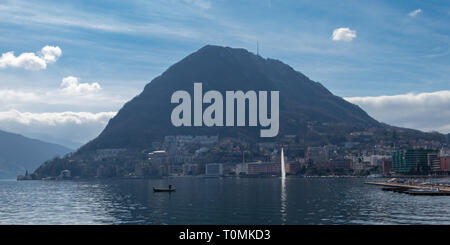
[(146, 118), (310, 115), (64, 141), (19, 154)]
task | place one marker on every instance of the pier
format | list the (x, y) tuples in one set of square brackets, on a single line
[(413, 189)]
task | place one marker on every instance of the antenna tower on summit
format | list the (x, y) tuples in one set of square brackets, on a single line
[(257, 48)]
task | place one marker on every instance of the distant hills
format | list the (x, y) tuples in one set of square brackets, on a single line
[(19, 153)]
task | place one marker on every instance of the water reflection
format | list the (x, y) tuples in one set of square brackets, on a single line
[(283, 201)]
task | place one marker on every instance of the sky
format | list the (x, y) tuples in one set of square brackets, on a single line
[(66, 67)]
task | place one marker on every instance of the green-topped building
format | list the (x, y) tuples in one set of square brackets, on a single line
[(413, 161)]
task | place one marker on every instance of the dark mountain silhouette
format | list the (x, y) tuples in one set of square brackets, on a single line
[(309, 114), (19, 153), (146, 118)]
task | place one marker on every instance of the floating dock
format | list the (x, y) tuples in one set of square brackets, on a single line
[(413, 189)]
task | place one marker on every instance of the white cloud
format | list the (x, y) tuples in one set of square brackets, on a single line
[(415, 12), (28, 61), (68, 128), (70, 85), (71, 95), (343, 34), (423, 111), (13, 97), (37, 100), (55, 118), (70, 115), (50, 54), (31, 61)]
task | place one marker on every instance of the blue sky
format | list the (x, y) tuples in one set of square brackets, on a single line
[(397, 54)]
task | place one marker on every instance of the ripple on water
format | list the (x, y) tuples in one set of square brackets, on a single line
[(215, 201)]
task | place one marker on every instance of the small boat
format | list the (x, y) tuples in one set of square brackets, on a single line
[(163, 189)]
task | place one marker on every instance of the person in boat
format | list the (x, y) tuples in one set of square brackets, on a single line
[(170, 187)]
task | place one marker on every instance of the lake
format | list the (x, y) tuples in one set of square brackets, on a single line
[(200, 200)]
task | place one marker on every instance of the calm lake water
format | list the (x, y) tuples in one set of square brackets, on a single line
[(215, 201)]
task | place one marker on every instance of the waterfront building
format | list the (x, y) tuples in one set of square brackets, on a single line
[(341, 163), (436, 166), (144, 168), (444, 161), (190, 169), (214, 169), (358, 164), (445, 165), (241, 168), (229, 169), (386, 166), (292, 167), (431, 157), (322, 164), (263, 168), (175, 169), (412, 160), (377, 160)]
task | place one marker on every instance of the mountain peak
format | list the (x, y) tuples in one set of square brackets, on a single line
[(217, 48), (210, 51), (146, 118)]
